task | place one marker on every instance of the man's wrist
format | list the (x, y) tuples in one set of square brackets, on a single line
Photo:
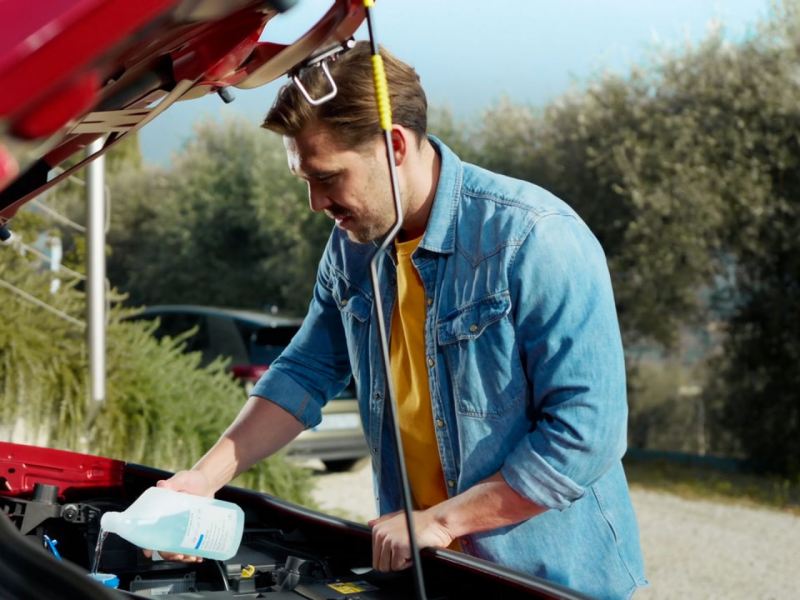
[(445, 516), (489, 504), (212, 479)]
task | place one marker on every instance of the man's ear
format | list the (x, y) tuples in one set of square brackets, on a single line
[(400, 143)]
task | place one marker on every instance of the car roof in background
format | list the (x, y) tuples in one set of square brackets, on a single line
[(254, 317)]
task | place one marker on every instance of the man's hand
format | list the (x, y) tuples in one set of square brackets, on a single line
[(261, 428), (487, 505), (391, 550), (191, 482)]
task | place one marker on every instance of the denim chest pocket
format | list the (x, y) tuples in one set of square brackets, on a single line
[(479, 347), (355, 308), (351, 301)]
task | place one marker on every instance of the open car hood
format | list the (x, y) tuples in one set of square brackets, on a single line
[(73, 71)]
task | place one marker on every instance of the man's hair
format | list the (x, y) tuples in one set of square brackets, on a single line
[(351, 115)]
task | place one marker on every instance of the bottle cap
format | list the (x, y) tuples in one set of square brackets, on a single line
[(107, 579)]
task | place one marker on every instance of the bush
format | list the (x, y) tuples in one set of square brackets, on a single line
[(161, 408)]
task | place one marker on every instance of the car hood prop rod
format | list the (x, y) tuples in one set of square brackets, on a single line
[(385, 117), (385, 114)]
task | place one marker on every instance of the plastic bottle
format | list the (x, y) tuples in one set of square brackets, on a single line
[(169, 521)]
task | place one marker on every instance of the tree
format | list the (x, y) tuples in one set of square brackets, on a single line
[(687, 171), (226, 225)]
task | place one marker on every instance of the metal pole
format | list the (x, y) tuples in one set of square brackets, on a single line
[(385, 115), (56, 255), (96, 273)]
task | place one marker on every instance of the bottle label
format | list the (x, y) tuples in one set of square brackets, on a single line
[(209, 529)]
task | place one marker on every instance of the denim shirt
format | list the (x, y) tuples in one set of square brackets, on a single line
[(525, 365)]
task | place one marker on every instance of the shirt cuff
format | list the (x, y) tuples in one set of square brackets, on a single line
[(279, 388), (531, 475)]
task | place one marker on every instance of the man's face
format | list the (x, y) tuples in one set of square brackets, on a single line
[(350, 186)]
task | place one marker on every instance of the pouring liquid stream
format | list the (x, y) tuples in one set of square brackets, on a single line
[(98, 549)]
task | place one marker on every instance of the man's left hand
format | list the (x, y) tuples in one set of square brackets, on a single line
[(391, 550)]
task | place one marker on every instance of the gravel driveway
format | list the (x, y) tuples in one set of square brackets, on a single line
[(693, 548)]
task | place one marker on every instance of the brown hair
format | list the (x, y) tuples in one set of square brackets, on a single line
[(352, 115)]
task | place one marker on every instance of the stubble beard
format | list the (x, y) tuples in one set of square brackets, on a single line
[(376, 224), (369, 232)]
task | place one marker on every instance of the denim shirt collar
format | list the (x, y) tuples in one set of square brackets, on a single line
[(440, 230)]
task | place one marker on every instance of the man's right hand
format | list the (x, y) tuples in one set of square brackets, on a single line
[(191, 482), (261, 428)]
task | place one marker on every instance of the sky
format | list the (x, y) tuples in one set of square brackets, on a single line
[(470, 54)]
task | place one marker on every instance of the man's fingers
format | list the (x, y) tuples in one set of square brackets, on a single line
[(376, 550), (381, 551), (389, 554), (385, 561), (377, 520), (186, 558), (400, 560)]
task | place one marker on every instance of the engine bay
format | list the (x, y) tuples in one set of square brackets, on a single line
[(52, 502), (272, 562)]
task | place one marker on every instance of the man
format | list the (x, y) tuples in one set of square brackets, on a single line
[(505, 347)]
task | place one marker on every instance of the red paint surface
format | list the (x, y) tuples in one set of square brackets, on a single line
[(22, 466), (60, 42), (72, 101)]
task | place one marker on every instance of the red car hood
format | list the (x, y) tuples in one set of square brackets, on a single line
[(73, 71)]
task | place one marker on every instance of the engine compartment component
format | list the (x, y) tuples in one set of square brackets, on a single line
[(52, 502), (271, 562)]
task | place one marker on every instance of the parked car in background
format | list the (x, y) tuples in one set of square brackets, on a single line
[(252, 340)]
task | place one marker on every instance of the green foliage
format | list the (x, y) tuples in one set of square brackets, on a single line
[(659, 419), (759, 380), (674, 168), (709, 483), (688, 173), (161, 408), (125, 155), (228, 219), (68, 198), (455, 134)]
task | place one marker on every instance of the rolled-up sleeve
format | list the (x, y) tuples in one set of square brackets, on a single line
[(569, 340), (315, 366)]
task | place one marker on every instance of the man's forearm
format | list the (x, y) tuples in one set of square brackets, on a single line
[(490, 504), (261, 428)]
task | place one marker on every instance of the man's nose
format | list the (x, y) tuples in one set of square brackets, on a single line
[(317, 199)]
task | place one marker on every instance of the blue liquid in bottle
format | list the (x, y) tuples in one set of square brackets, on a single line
[(169, 521)]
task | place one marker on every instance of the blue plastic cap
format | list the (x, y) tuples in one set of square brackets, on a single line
[(107, 579)]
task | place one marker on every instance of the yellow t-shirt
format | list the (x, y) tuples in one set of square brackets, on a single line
[(410, 377)]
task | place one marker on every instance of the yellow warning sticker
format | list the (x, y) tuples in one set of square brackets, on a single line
[(346, 588)]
